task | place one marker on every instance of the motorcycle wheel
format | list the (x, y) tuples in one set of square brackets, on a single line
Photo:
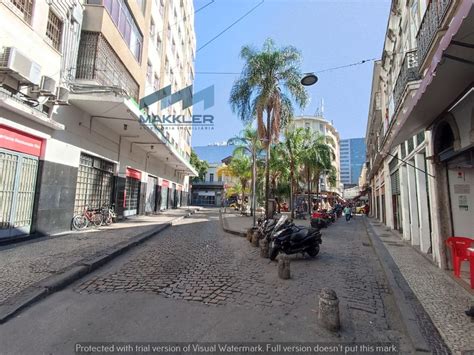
[(273, 253), (313, 251)]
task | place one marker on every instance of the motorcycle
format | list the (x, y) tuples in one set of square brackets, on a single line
[(292, 239)]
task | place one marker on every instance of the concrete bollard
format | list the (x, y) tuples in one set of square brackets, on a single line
[(283, 267), (264, 248), (255, 240), (249, 234), (329, 309)]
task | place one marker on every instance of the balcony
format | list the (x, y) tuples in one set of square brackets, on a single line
[(408, 72), (431, 23), (97, 62)]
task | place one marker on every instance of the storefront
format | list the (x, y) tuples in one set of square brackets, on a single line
[(396, 200), (19, 156), (132, 192), (179, 194), (95, 181), (152, 195), (164, 194)]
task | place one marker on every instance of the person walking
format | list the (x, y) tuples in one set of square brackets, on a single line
[(347, 213)]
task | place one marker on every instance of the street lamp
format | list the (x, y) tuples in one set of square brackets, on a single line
[(309, 79)]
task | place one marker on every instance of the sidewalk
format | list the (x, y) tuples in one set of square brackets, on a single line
[(26, 263), (441, 297)]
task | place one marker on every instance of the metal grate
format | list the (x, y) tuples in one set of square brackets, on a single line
[(98, 61), (94, 183), (25, 7), (132, 188), (8, 167), (54, 30), (395, 182)]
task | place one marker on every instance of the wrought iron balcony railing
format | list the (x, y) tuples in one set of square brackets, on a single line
[(98, 62), (431, 23), (408, 72)]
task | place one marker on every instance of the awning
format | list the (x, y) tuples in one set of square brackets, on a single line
[(444, 81), (122, 116)]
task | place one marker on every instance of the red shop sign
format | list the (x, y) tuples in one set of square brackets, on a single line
[(134, 174), (20, 142), (165, 183)]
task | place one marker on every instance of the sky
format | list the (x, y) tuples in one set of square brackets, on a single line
[(329, 33)]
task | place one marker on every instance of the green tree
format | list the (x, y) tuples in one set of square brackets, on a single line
[(200, 165), (270, 80), (249, 143), (317, 160), (296, 141)]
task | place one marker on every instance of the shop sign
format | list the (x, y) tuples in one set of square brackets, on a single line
[(19, 141)]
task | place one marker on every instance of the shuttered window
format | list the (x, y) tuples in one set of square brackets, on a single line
[(395, 182)]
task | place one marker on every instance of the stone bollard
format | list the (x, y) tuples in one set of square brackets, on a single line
[(249, 234), (329, 309), (283, 267), (255, 240), (264, 248)]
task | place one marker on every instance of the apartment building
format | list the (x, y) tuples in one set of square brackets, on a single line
[(320, 126), (71, 135), (420, 141)]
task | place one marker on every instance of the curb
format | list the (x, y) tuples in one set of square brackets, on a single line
[(74, 272), (226, 229), (402, 293)]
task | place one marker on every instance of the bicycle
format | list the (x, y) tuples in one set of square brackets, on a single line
[(88, 216), (108, 215)]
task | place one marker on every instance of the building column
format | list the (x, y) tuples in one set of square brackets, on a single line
[(404, 199), (413, 201), (388, 196), (423, 211)]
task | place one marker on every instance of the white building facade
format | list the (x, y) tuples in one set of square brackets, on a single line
[(320, 126), (421, 118), (73, 73)]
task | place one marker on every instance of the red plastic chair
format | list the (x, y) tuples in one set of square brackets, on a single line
[(459, 252)]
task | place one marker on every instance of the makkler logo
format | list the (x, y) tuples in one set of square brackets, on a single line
[(187, 99)]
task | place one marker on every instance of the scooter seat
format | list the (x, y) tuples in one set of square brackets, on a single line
[(299, 234)]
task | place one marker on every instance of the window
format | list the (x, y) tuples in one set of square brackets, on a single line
[(156, 82), (123, 19), (162, 7), (142, 5), (54, 30), (159, 43), (149, 71), (152, 29), (211, 177), (25, 7)]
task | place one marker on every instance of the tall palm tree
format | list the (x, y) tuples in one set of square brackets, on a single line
[(249, 142), (317, 158), (270, 80), (295, 144)]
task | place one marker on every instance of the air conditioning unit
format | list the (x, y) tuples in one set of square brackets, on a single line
[(62, 96), (47, 86), (20, 66)]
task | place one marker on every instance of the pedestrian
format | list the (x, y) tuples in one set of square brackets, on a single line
[(347, 213)]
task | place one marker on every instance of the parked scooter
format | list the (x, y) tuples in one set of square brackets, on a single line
[(293, 239)]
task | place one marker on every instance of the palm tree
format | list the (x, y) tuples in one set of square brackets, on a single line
[(249, 142), (270, 80), (317, 159), (296, 140)]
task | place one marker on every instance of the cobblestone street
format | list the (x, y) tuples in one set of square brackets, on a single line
[(23, 264), (193, 277)]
